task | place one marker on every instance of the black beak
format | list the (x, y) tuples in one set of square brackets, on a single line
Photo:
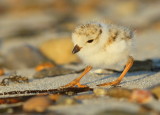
[(76, 49)]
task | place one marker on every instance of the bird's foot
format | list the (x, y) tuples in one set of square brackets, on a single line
[(81, 86), (74, 84)]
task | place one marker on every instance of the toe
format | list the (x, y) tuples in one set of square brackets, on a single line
[(81, 86), (74, 85)]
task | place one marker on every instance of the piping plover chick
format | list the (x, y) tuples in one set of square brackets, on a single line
[(102, 45)]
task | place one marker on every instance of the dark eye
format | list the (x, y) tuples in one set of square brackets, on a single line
[(90, 41)]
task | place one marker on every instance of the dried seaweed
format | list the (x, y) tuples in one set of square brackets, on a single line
[(50, 91), (14, 79)]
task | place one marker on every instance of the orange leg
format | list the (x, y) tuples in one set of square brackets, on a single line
[(77, 80), (119, 79)]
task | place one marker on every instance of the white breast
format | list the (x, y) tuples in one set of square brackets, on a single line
[(116, 52)]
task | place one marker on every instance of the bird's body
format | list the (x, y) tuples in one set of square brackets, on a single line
[(111, 44), (102, 45)]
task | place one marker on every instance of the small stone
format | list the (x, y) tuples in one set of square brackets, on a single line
[(100, 92), (156, 91), (25, 56), (64, 100), (87, 96), (54, 97), (2, 71), (51, 72), (145, 65), (9, 100), (119, 92), (59, 50), (141, 96), (70, 93), (156, 65), (37, 104), (44, 66)]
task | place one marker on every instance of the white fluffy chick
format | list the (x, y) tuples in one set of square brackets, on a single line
[(102, 45)]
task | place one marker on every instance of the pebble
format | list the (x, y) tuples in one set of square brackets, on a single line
[(100, 92), (156, 91), (84, 96), (37, 104), (54, 97), (119, 92), (145, 65), (25, 56), (65, 100), (59, 50), (44, 66), (2, 71), (141, 96)]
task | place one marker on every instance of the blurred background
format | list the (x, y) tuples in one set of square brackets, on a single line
[(35, 31)]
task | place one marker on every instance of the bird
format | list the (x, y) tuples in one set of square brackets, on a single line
[(101, 45)]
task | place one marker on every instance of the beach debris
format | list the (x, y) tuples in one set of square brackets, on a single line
[(119, 92), (85, 96), (54, 97), (9, 100), (43, 66), (156, 91), (141, 96), (2, 71), (156, 65), (14, 79), (70, 93), (133, 95), (37, 104), (15, 99), (63, 91), (66, 100), (51, 72), (100, 92), (146, 65), (17, 59)]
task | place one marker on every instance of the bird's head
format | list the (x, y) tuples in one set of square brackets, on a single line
[(86, 36)]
